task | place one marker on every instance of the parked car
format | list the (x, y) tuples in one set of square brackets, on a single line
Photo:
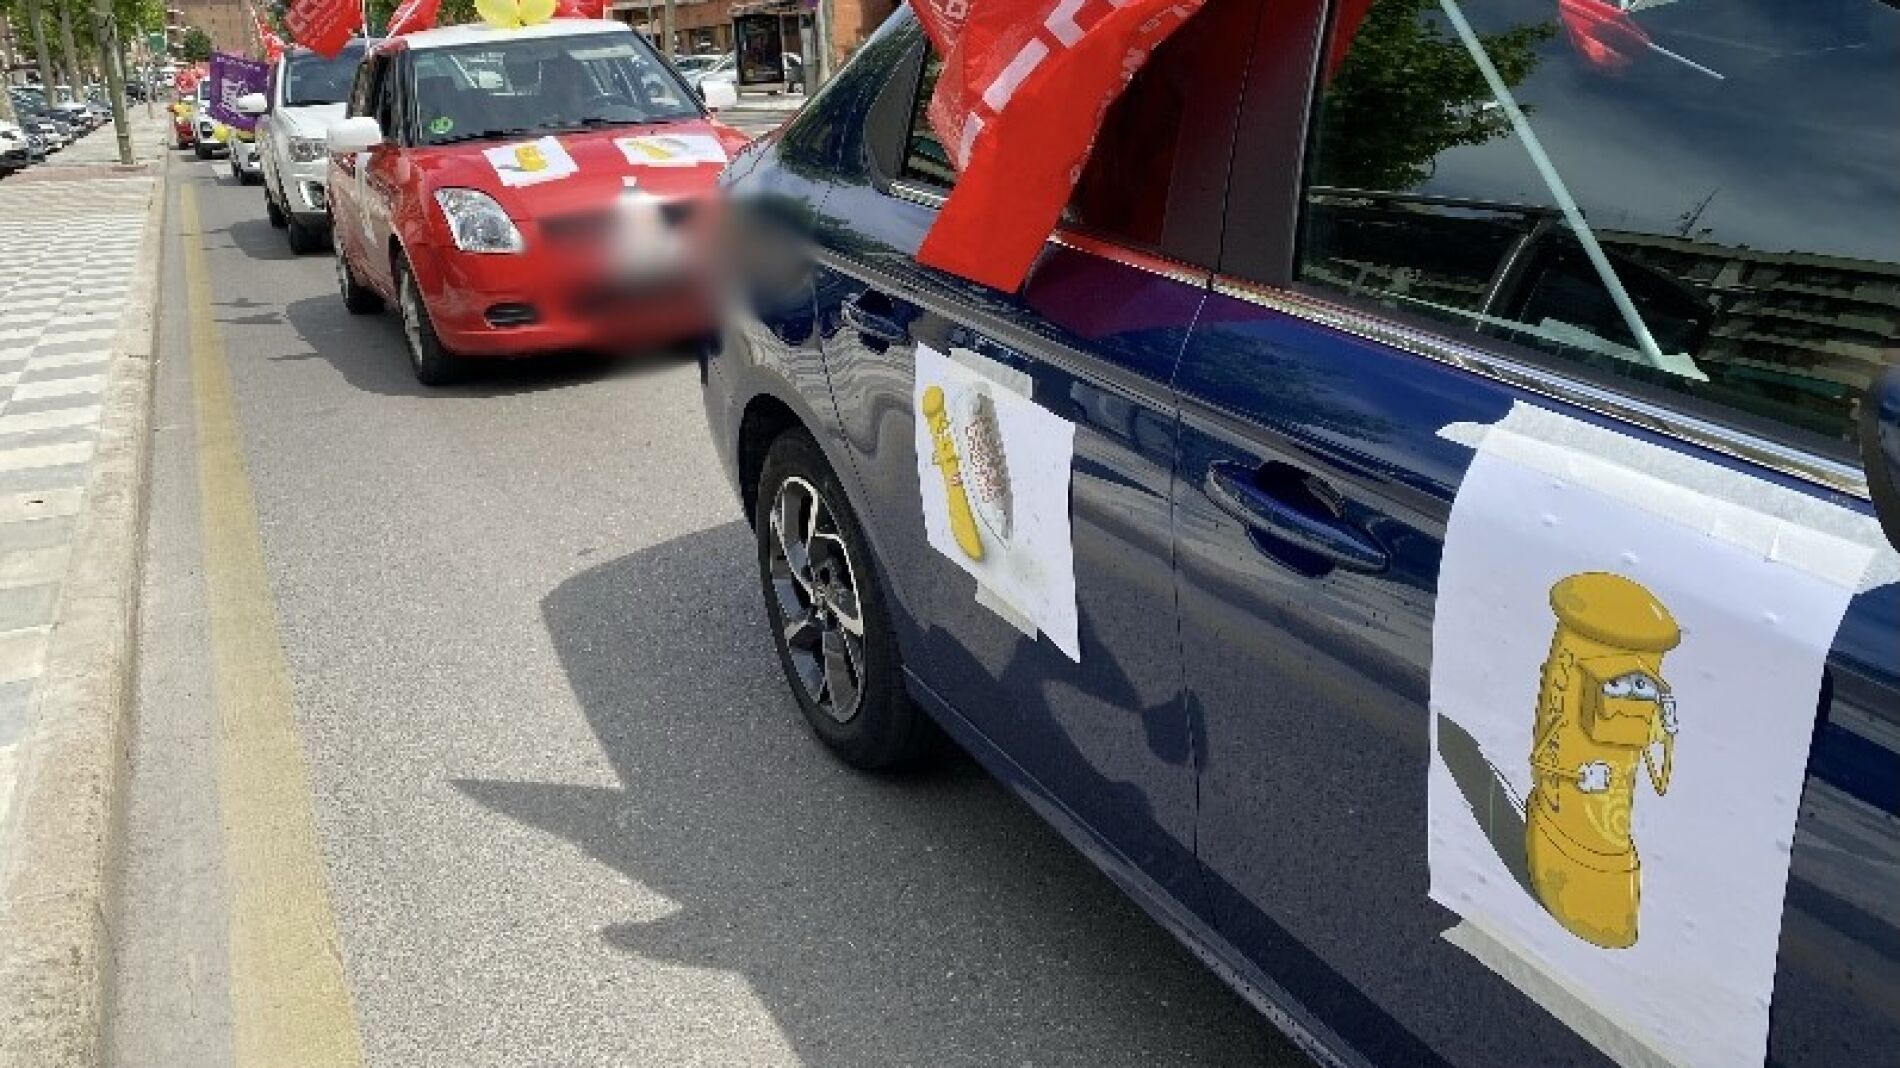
[(688, 65), (55, 132), (16, 150), (489, 209), (1370, 533), (305, 96)]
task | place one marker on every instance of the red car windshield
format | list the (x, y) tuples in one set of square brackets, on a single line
[(509, 88)]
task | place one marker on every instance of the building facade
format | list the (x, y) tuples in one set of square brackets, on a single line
[(704, 27), (226, 21)]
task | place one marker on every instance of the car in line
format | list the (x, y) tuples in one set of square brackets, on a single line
[(247, 164), (305, 94), (1371, 532), (522, 192), (207, 140)]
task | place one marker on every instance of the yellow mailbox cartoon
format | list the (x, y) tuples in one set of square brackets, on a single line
[(1603, 709), (944, 454)]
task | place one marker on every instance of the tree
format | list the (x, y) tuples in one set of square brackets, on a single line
[(196, 45), (451, 13), (1408, 90)]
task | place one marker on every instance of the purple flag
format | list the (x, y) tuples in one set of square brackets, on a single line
[(232, 77)]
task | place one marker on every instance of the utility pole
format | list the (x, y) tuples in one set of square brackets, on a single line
[(666, 29), (105, 31), (821, 28)]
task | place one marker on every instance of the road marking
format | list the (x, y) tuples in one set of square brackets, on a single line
[(289, 1000)]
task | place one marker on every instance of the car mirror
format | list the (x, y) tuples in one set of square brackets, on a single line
[(1880, 448), (718, 94), (359, 134), (252, 104)]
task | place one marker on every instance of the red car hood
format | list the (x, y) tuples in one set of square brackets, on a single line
[(601, 167)]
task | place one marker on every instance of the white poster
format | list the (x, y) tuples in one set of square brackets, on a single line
[(672, 150), (993, 476), (1627, 655), (531, 162)]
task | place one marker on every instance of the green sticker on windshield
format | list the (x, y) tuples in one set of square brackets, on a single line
[(441, 124)]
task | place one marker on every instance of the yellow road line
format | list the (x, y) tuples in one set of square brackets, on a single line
[(290, 1005)]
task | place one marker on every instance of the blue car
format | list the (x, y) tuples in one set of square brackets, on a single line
[(1419, 525)]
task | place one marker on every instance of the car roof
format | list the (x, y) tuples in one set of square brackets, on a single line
[(483, 33), (354, 42)]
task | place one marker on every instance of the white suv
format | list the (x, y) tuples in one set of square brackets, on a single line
[(307, 94)]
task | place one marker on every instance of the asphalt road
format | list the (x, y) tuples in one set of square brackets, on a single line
[(567, 812)]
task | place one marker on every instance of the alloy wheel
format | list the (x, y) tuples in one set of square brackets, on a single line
[(816, 596)]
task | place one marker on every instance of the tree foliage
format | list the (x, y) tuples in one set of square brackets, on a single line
[(196, 46), (1408, 91)]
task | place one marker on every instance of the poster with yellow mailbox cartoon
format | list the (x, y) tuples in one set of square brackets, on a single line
[(531, 162), (1628, 648), (993, 481)]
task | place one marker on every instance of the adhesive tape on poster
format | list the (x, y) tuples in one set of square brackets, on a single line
[(1569, 1007), (1829, 542)]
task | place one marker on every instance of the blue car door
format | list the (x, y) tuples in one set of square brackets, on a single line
[(1545, 647), (1072, 686)]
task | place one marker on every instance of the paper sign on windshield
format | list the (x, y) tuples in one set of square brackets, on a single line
[(531, 162)]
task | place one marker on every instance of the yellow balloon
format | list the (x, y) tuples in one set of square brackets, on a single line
[(514, 14)]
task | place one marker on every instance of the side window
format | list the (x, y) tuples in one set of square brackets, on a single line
[(1174, 119), (1685, 202), (363, 89), (388, 101), (924, 157)]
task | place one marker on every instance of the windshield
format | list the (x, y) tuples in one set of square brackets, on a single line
[(311, 79), (509, 88)]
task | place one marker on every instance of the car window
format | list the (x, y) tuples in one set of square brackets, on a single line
[(389, 104), (1695, 199), (516, 87), (1123, 192), (362, 92), (311, 79)]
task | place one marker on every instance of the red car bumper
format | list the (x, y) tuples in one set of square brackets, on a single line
[(181, 131), (498, 306)]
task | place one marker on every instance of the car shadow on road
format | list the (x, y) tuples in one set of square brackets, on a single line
[(927, 918), (367, 350), (258, 239)]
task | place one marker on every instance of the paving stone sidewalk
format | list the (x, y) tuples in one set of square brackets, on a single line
[(71, 229)]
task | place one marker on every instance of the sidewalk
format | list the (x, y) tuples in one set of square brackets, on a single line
[(77, 288), (72, 228)]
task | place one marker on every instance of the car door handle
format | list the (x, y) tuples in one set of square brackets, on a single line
[(877, 322), (1282, 505)]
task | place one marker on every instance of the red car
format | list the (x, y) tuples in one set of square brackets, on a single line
[(521, 191)]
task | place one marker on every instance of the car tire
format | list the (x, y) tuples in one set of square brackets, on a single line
[(303, 239), (848, 685), (275, 214), (358, 299), (433, 364), (199, 148), (237, 173)]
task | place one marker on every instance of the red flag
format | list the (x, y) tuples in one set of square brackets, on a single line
[(1602, 33), (1024, 88), (413, 15), (323, 26), (581, 9), (273, 45)]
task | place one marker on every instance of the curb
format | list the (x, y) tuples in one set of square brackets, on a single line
[(56, 895)]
